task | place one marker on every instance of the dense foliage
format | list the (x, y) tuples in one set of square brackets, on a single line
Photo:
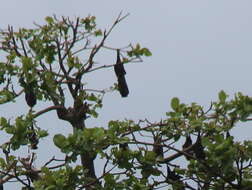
[(191, 148)]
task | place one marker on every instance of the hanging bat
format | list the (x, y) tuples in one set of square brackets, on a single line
[(120, 74), (30, 97), (33, 138), (172, 174), (124, 146), (199, 149), (122, 86), (157, 148), (177, 183), (187, 144)]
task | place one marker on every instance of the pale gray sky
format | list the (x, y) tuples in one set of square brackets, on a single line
[(199, 47)]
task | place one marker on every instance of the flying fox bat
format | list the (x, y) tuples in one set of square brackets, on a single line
[(120, 74), (30, 97)]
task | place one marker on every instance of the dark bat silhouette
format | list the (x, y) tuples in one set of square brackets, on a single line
[(124, 146), (187, 144), (199, 149), (175, 178), (227, 134), (157, 148), (122, 86), (120, 74), (30, 97), (172, 174), (33, 138)]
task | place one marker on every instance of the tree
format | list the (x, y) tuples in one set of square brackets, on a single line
[(191, 148)]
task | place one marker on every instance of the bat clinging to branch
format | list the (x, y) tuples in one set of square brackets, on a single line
[(30, 97), (120, 74), (187, 144)]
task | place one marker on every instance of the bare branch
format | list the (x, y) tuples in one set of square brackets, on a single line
[(55, 107)]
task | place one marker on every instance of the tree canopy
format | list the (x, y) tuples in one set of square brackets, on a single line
[(192, 147)]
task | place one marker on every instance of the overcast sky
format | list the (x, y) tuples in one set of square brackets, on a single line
[(199, 48)]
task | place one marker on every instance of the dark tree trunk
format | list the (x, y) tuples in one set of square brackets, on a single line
[(76, 116), (87, 160)]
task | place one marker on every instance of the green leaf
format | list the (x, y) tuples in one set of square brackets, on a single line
[(150, 157), (98, 33), (146, 52), (3, 122), (2, 163), (222, 96), (93, 113), (27, 63), (59, 140), (175, 103), (6, 96), (49, 19), (92, 97), (42, 133)]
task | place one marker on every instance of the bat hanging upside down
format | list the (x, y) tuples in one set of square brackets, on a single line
[(30, 97), (120, 74)]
